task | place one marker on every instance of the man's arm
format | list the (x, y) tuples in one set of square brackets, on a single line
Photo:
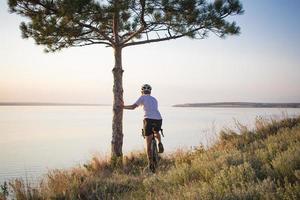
[(130, 107)]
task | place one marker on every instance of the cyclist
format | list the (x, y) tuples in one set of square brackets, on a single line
[(152, 118)]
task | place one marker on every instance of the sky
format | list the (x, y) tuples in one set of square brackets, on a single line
[(262, 64)]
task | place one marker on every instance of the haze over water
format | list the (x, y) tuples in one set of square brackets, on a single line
[(35, 139)]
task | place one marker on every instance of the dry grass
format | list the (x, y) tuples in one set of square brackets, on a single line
[(263, 163)]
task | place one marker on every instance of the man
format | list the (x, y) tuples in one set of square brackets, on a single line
[(152, 118)]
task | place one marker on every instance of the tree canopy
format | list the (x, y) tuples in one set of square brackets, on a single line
[(60, 24)]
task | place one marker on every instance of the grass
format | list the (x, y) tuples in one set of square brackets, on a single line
[(263, 163)]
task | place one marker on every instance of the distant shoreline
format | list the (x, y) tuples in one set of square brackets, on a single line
[(48, 104), (240, 105), (209, 105)]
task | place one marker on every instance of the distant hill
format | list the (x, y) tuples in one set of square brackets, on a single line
[(47, 104), (240, 105)]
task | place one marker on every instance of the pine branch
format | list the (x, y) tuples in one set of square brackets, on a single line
[(170, 37), (105, 36), (143, 26)]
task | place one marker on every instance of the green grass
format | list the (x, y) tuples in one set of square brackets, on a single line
[(263, 163)]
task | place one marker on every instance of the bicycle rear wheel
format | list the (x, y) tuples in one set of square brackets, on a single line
[(154, 156)]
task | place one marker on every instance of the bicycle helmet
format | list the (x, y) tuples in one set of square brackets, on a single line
[(146, 87)]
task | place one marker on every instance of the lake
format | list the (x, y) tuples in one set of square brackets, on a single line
[(35, 139)]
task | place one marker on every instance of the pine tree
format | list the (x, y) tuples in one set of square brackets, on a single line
[(59, 24)]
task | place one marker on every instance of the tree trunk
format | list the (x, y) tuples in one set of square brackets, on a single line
[(117, 129)]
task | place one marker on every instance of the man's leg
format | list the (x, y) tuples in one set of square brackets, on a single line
[(157, 136), (160, 145)]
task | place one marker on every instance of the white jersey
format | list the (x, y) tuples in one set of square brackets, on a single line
[(150, 106)]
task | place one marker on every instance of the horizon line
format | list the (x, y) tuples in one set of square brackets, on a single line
[(32, 103), (50, 104)]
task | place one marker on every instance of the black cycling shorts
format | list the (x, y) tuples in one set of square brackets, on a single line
[(150, 125)]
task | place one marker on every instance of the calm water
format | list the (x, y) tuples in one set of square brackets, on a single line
[(35, 139)]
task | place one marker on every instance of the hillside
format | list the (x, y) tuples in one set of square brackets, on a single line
[(251, 164)]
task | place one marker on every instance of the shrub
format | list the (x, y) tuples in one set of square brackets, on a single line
[(287, 163)]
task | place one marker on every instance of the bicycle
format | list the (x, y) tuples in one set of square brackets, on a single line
[(154, 158)]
